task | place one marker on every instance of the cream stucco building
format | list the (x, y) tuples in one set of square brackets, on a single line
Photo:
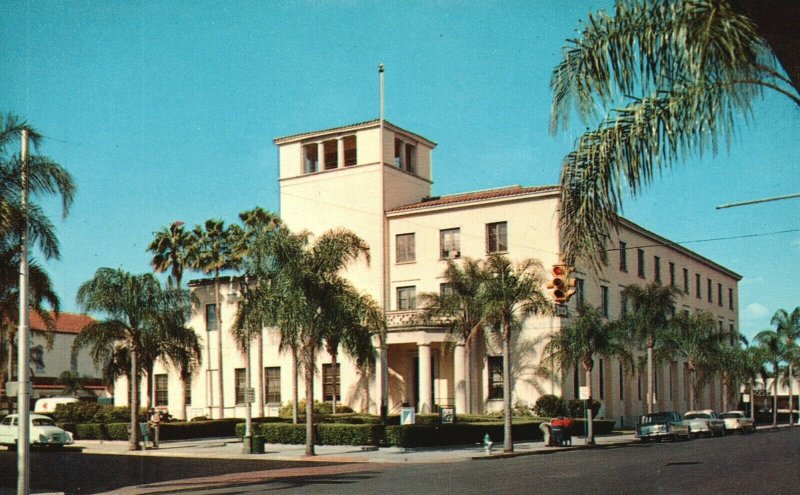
[(375, 179)]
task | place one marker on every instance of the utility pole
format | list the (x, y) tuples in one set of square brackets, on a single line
[(23, 345)]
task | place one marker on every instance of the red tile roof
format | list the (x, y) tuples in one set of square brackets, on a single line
[(475, 196), (65, 323)]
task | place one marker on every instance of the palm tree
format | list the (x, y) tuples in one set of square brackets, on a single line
[(774, 348), (131, 303), (694, 338), (657, 81), (788, 326), (212, 250), (169, 248), (585, 336), (512, 293), (303, 294), (648, 322), (459, 309), (72, 382)]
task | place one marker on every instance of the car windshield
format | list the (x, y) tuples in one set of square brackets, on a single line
[(731, 415), (42, 422), (656, 418), (697, 416)]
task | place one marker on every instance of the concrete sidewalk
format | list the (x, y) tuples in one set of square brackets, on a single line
[(231, 448)]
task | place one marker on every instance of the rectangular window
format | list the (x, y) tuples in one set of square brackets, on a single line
[(604, 300), (621, 382), (640, 259), (623, 257), (697, 287), (450, 243), (719, 294), (398, 153), (162, 395), (328, 382), (211, 317), (730, 298), (623, 304), (187, 389), (407, 298), (579, 292), (331, 150), (310, 158), (639, 387), (733, 336), (445, 289), (496, 237), (272, 384), (710, 293), (239, 378), (657, 268), (405, 248), (495, 365), (411, 158), (601, 372), (350, 151), (686, 280), (672, 274)]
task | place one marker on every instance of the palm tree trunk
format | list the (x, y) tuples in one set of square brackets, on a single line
[(260, 354), (775, 398), (217, 309), (589, 419), (790, 394), (248, 414), (692, 389), (309, 370), (467, 377), (508, 443), (295, 394), (184, 416), (333, 377), (725, 391), (133, 383), (650, 376), (752, 401)]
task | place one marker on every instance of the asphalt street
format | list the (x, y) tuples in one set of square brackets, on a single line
[(767, 462)]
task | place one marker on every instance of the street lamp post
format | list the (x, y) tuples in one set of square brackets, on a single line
[(23, 380)]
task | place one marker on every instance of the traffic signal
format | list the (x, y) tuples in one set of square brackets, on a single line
[(562, 285)]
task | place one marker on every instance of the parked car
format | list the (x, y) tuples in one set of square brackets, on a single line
[(704, 421), (738, 420), (660, 425), (48, 405), (43, 432)]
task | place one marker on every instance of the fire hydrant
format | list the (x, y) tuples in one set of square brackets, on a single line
[(487, 444)]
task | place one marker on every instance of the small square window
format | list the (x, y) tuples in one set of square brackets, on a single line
[(450, 243), (446, 289), (406, 298), (405, 249), (496, 237)]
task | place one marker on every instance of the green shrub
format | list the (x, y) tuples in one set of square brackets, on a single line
[(550, 406), (348, 434), (182, 430), (92, 412), (320, 408), (575, 408), (457, 434), (286, 433)]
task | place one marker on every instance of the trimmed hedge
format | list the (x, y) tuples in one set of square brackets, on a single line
[(168, 431)]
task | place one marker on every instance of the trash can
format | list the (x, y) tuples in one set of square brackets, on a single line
[(257, 443)]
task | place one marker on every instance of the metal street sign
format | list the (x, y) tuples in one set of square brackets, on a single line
[(250, 395), (583, 393), (562, 310), (12, 389), (406, 415)]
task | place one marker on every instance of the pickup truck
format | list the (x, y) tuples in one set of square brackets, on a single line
[(662, 425)]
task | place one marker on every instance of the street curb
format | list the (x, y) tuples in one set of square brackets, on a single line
[(555, 450)]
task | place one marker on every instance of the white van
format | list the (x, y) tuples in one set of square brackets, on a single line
[(48, 404)]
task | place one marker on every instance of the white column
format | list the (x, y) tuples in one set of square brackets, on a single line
[(425, 389), (320, 156), (459, 379), (340, 153)]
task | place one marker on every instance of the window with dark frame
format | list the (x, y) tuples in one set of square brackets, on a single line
[(672, 274), (580, 293), (686, 280), (239, 377), (407, 298), (639, 387), (623, 303), (327, 382), (623, 257), (272, 384), (405, 248), (710, 293), (496, 237), (310, 158), (730, 298), (657, 268), (640, 260), (445, 289), (331, 150), (211, 318), (697, 286), (411, 158), (350, 151), (450, 243), (495, 365), (162, 390), (719, 295), (604, 302)]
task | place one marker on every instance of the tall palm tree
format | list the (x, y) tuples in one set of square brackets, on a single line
[(695, 339), (303, 294), (585, 336), (774, 349), (648, 322), (459, 309), (512, 293), (656, 82), (788, 327), (169, 248), (213, 250), (132, 304)]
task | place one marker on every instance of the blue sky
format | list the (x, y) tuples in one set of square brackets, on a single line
[(166, 111)]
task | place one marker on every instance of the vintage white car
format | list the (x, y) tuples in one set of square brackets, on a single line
[(738, 420), (704, 421), (43, 431)]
